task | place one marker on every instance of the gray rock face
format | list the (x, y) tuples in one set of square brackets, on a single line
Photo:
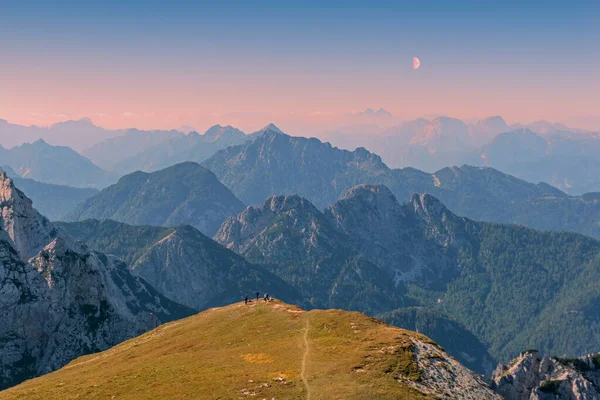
[(29, 232), (444, 377), (533, 377), (58, 300)]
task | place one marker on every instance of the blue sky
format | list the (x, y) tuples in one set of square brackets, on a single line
[(514, 53)]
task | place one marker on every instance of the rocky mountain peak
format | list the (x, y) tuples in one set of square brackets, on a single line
[(532, 376), (427, 206), (372, 194), (28, 230), (185, 193), (272, 127), (371, 209), (277, 212), (219, 132), (438, 223), (382, 230), (282, 204), (496, 123), (40, 143)]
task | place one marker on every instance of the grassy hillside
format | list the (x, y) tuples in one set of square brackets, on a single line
[(260, 350)]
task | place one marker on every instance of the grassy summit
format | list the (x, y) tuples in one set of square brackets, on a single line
[(260, 351)]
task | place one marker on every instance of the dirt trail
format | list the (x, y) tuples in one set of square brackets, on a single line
[(304, 359)]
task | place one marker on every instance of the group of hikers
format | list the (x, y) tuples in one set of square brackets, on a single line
[(266, 297)]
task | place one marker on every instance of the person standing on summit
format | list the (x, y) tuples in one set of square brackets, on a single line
[(257, 295)]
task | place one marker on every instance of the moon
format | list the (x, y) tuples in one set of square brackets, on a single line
[(416, 63)]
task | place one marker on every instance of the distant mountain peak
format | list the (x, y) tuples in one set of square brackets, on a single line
[(40, 143), (186, 129), (494, 118), (218, 132), (81, 121), (268, 128), (495, 123), (272, 127), (369, 112), (183, 193), (371, 193), (279, 203)]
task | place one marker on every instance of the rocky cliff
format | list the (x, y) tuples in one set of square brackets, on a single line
[(534, 377), (59, 300)]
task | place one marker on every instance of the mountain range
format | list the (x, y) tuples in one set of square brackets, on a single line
[(275, 163), (182, 194), (59, 165), (338, 229), (174, 149), (181, 263), (79, 134), (132, 142), (61, 298), (564, 157), (270, 162), (512, 287)]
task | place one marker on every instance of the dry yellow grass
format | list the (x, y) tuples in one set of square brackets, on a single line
[(256, 351)]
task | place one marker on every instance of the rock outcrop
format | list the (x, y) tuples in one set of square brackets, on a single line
[(532, 376), (29, 231), (59, 300)]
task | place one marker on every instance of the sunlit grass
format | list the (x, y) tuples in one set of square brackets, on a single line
[(242, 351)]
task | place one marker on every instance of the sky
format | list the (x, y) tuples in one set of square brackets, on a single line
[(151, 64)]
